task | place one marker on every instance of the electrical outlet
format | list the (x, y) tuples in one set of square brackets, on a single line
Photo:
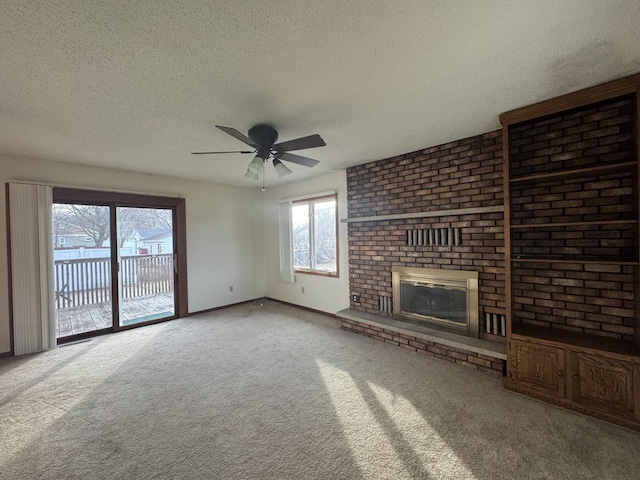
[(355, 298), (231, 288), (302, 289)]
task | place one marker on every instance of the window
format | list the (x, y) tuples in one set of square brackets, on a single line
[(314, 229)]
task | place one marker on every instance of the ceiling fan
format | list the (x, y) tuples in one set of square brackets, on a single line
[(262, 138)]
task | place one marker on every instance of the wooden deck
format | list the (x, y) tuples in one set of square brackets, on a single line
[(96, 316)]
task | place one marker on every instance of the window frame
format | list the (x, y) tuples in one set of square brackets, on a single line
[(311, 201)]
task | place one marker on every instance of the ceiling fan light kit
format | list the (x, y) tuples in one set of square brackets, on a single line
[(263, 139), (281, 168), (257, 165), (251, 175)]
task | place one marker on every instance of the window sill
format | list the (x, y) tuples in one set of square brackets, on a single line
[(318, 273)]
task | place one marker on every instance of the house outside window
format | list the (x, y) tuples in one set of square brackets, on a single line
[(314, 225)]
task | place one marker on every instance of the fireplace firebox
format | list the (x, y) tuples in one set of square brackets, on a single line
[(443, 299)]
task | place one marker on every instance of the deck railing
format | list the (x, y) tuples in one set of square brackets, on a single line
[(87, 281)]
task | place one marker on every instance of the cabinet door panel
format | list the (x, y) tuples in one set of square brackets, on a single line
[(603, 383), (539, 368)]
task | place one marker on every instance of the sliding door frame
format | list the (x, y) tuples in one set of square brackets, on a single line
[(114, 200)]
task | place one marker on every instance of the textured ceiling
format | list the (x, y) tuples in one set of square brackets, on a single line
[(137, 85)]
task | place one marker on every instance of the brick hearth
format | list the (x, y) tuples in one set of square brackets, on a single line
[(483, 355)]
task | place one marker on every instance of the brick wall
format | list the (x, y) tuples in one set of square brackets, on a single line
[(590, 298), (582, 199), (462, 174), (592, 136)]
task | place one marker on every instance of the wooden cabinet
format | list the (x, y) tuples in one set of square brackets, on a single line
[(604, 383), (572, 250), (539, 368), (598, 383)]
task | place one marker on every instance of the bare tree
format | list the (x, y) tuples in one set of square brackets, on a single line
[(163, 219), (325, 236), (131, 220), (61, 226), (92, 220), (301, 246)]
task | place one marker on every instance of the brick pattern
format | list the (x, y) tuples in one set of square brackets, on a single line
[(484, 363), (590, 298), (462, 174), (605, 241), (594, 135), (375, 247), (587, 199)]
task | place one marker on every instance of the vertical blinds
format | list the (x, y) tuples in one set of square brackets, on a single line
[(31, 268)]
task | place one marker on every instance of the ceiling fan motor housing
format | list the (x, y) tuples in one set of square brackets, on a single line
[(263, 135)]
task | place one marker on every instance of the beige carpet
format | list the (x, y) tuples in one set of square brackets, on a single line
[(276, 392)]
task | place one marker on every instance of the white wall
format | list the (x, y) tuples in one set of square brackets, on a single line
[(321, 293), (223, 229)]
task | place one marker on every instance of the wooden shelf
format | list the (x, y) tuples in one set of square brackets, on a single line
[(578, 339), (577, 172), (575, 224), (566, 259)]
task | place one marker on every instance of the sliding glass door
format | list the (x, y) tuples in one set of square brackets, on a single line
[(82, 269), (145, 256), (119, 261)]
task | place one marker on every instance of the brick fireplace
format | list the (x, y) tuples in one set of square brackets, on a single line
[(460, 183), (437, 208)]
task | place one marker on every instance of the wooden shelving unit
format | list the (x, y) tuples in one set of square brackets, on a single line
[(572, 251)]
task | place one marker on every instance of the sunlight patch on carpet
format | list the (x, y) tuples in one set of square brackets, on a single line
[(369, 445), (436, 456)]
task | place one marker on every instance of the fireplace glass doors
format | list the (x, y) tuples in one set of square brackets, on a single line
[(444, 299)]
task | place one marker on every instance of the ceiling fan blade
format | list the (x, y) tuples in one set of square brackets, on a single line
[(311, 141), (290, 157), (236, 134), (215, 153)]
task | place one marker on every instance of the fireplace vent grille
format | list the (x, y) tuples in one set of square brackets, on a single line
[(495, 323), (385, 305), (435, 237)]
